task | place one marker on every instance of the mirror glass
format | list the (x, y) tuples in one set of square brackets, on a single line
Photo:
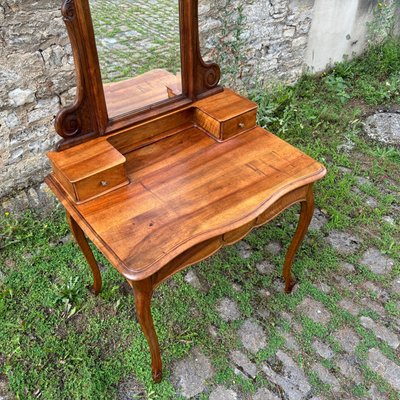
[(139, 52)]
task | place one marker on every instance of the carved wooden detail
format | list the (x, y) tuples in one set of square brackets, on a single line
[(87, 116), (68, 10)]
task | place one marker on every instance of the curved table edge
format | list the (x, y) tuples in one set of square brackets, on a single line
[(158, 264)]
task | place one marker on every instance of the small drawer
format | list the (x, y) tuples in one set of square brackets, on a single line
[(239, 124), (89, 170), (100, 183), (226, 114)]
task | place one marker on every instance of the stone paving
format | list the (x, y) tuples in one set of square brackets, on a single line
[(384, 126), (341, 360), (192, 373), (136, 36)]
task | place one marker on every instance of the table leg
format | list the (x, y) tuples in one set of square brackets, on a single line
[(306, 213), (87, 252), (143, 291)]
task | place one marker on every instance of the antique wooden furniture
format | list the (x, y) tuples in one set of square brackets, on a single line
[(170, 183)]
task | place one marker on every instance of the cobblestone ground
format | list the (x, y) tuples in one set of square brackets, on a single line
[(136, 36), (337, 336), (337, 339)]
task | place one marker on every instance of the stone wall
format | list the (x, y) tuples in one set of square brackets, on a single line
[(262, 42), (36, 76), (255, 41)]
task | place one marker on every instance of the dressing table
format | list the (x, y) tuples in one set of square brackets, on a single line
[(163, 169)]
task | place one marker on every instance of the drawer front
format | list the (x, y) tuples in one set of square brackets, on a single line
[(239, 124), (99, 183)]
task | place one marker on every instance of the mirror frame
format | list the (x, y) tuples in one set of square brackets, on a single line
[(87, 117)]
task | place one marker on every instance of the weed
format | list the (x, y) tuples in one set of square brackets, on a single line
[(68, 295), (338, 87)]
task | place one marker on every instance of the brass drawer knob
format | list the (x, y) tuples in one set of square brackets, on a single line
[(104, 183), (241, 125)]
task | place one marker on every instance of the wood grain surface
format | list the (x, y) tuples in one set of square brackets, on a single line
[(186, 189)]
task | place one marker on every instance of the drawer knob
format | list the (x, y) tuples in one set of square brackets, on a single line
[(241, 125), (104, 183)]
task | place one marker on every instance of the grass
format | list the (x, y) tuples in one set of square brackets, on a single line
[(57, 341)]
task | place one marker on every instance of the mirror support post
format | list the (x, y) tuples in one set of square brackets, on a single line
[(199, 79), (87, 117)]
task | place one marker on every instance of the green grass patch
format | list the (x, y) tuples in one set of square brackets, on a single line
[(59, 341)]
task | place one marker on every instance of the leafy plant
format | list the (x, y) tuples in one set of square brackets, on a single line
[(230, 44), (68, 295), (337, 86)]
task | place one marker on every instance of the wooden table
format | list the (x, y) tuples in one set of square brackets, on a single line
[(185, 195)]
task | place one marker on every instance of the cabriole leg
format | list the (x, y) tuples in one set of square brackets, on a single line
[(143, 291), (306, 213), (87, 252)]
